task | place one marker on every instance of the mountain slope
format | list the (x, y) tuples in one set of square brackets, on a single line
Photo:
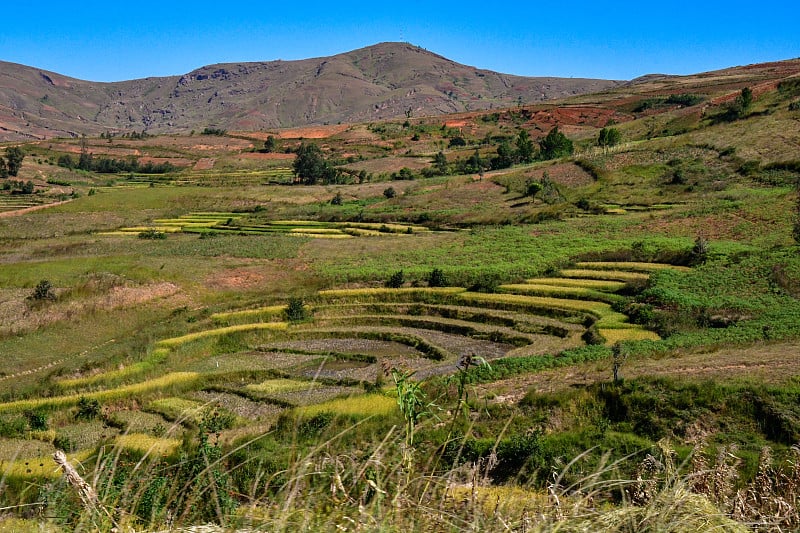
[(387, 80)]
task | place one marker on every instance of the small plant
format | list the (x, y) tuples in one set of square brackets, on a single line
[(43, 291), (88, 408), (437, 278), (699, 253), (337, 200), (152, 234), (396, 280), (296, 310), (37, 420)]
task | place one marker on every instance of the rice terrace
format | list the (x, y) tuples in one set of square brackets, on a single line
[(578, 314)]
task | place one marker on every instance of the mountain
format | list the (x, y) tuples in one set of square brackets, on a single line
[(387, 80)]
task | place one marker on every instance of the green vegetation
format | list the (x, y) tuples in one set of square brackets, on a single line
[(444, 329)]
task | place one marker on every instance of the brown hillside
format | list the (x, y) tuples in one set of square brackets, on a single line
[(388, 80)]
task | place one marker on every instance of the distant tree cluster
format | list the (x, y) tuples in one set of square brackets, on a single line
[(310, 166), (12, 163), (112, 166), (213, 131)]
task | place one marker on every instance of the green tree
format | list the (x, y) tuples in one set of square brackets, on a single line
[(296, 310), (741, 105), (608, 137), (440, 163), (796, 225), (532, 188), (389, 192), (525, 148), (271, 144), (505, 156), (311, 167), (555, 144), (14, 157), (3, 168)]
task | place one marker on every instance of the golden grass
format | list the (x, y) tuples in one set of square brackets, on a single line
[(555, 291), (358, 406), (177, 341), (176, 408), (141, 442), (38, 468), (586, 306), (636, 266), (277, 386), (612, 275), (317, 231), (595, 284), (165, 381), (380, 291), (628, 334), (321, 235)]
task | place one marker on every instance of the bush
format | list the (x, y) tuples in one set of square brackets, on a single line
[(437, 278), (296, 310), (37, 420), (389, 192), (337, 200), (396, 280), (88, 408), (152, 234), (43, 291)]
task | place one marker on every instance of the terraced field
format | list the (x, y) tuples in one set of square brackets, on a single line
[(253, 365), (10, 202), (221, 223)]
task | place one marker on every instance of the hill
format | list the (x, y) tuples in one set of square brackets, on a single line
[(383, 81), (449, 329)]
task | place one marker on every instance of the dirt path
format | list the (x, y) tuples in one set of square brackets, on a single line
[(769, 363)]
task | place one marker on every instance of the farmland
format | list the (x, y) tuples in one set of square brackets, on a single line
[(411, 334)]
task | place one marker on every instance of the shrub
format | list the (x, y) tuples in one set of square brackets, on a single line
[(43, 291), (396, 280), (337, 200), (37, 420), (437, 278), (389, 192), (152, 234), (296, 310), (88, 408)]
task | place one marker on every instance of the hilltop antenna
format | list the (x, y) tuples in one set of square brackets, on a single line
[(402, 39)]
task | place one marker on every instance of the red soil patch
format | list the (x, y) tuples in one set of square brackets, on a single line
[(313, 132), (206, 163)]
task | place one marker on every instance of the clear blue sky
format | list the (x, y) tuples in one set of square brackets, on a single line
[(117, 40)]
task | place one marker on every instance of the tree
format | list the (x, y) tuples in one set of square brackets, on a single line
[(311, 167), (85, 159), (505, 156), (14, 157), (271, 144), (525, 149), (740, 107), (608, 137), (555, 144), (796, 225), (389, 192), (532, 188), (3, 168), (440, 162)]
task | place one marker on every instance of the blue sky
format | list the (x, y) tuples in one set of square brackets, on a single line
[(113, 40)]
